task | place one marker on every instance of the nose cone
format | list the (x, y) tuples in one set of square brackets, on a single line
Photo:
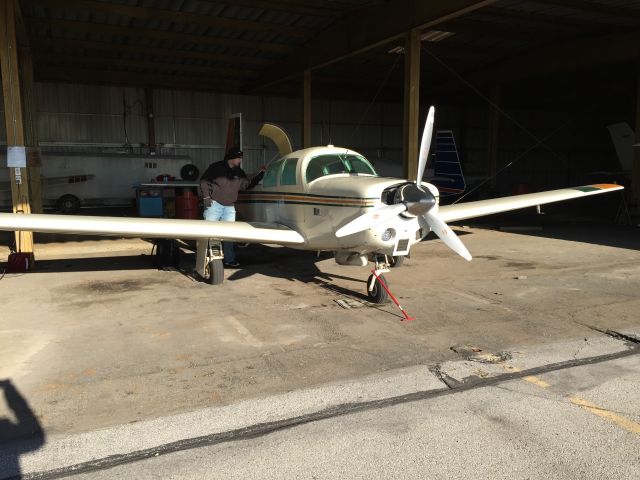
[(418, 201)]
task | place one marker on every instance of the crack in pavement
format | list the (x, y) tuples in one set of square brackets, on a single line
[(628, 339)]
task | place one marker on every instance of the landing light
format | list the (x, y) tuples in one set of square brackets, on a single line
[(388, 234)]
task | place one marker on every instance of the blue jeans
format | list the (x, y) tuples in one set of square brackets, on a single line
[(217, 212)]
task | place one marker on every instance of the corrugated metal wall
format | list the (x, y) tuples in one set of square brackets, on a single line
[(97, 119), (109, 118)]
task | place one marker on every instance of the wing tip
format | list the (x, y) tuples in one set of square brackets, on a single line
[(606, 186)]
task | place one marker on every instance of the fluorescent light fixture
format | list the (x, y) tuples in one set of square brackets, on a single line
[(435, 35), (428, 36)]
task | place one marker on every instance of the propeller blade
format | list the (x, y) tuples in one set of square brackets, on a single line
[(444, 232), (425, 144), (371, 219)]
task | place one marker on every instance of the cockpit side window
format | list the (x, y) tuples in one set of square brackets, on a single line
[(288, 176), (332, 164), (271, 175)]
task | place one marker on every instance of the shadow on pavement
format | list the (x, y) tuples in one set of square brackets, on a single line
[(18, 435)]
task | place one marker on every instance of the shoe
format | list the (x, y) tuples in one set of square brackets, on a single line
[(233, 263)]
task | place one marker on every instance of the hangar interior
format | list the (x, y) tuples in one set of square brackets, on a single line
[(108, 361), (528, 85)]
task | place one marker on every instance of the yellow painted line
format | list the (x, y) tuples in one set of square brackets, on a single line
[(625, 423), (536, 381), (531, 379)]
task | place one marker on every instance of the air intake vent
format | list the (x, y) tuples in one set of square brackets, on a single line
[(402, 247)]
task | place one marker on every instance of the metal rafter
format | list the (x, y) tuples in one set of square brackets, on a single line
[(542, 22), (355, 33), (93, 27), (596, 8), (316, 9), (41, 44), (147, 13), (86, 75), (570, 55), (108, 63)]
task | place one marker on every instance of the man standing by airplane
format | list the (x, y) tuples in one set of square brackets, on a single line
[(220, 185)]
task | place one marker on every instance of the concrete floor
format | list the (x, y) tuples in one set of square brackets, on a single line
[(95, 337)]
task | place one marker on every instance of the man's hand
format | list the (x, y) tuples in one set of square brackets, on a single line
[(263, 168)]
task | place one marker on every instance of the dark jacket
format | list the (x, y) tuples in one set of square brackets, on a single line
[(222, 183)]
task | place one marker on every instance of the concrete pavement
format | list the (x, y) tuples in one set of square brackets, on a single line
[(99, 344)]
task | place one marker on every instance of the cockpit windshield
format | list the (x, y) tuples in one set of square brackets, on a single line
[(334, 163)]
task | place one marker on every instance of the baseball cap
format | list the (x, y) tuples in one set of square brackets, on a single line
[(233, 153)]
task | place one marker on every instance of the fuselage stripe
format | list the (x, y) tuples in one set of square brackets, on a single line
[(305, 199), (300, 202), (306, 195)]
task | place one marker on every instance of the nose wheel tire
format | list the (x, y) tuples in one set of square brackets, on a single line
[(377, 293), (214, 272)]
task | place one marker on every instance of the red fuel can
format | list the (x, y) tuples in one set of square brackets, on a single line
[(19, 262), (187, 205)]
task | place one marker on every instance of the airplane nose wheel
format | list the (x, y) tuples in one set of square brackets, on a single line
[(375, 291)]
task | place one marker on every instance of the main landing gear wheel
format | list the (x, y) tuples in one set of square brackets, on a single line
[(375, 291), (214, 272)]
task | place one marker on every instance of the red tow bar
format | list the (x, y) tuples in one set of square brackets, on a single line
[(407, 318)]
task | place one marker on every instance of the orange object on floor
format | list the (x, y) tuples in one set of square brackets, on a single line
[(187, 205)]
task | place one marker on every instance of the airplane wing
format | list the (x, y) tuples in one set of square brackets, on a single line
[(253, 232), (463, 211)]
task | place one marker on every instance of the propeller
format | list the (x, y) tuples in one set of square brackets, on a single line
[(413, 199), (425, 143), (444, 233)]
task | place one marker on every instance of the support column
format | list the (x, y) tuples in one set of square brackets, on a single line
[(34, 159), (635, 174), (306, 109), (410, 146), (13, 118), (494, 128), (151, 122)]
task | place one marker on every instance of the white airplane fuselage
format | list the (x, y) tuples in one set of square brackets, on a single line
[(317, 207)]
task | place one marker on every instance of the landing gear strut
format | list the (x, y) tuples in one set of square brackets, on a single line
[(376, 292), (395, 262)]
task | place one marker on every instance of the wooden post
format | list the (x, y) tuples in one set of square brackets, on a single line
[(410, 142), (151, 122), (306, 109), (634, 195), (13, 117), (34, 160), (494, 128)]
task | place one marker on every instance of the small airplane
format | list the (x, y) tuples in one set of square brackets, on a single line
[(320, 199)]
